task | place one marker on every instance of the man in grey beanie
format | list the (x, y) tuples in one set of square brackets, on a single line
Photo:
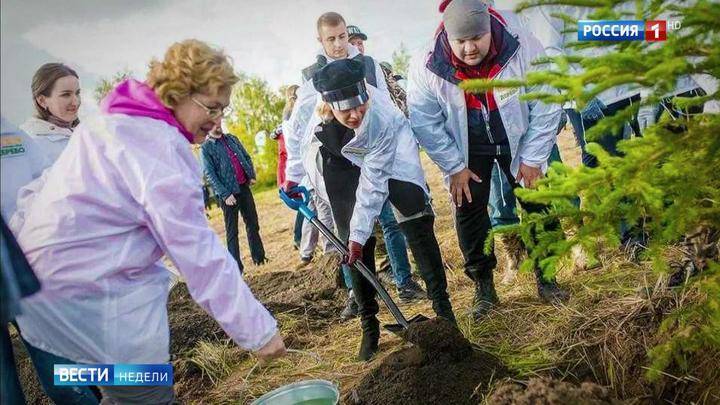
[(466, 134)]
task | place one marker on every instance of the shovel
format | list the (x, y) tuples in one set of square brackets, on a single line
[(301, 205)]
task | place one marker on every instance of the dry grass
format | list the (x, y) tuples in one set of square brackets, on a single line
[(601, 333)]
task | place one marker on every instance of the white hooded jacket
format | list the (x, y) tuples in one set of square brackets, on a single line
[(51, 138), (127, 191), (384, 148)]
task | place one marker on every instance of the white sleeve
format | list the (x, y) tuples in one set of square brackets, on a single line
[(372, 188), (427, 119), (537, 143), (298, 124)]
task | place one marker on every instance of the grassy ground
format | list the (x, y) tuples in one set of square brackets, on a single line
[(601, 335)]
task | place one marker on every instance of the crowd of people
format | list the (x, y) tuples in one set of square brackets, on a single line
[(89, 209)]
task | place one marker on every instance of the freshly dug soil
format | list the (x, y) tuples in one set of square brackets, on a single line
[(542, 391), (308, 284), (441, 368), (32, 390), (189, 323)]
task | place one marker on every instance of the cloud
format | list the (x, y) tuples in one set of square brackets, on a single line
[(273, 39)]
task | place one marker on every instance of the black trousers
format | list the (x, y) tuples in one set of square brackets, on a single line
[(472, 221), (341, 183), (245, 206)]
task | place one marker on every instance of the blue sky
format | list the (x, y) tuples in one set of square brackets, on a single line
[(273, 39)]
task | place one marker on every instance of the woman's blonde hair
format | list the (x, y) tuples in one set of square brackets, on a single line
[(190, 67), (290, 98), (324, 111)]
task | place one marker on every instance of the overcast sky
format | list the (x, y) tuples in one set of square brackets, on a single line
[(273, 39)]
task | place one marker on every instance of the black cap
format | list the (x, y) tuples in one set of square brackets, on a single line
[(354, 31), (342, 84)]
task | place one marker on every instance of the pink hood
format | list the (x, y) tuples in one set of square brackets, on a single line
[(132, 97)]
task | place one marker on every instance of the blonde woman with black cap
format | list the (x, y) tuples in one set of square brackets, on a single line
[(369, 155)]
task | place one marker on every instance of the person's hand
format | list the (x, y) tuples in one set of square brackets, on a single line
[(230, 200), (273, 349), (252, 182), (355, 253), (529, 174), (289, 185), (460, 184)]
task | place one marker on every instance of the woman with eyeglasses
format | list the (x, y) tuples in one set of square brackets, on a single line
[(127, 194)]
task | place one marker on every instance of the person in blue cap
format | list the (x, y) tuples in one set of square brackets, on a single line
[(369, 155)]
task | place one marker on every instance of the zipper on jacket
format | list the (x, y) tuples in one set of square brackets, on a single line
[(485, 113), (486, 119)]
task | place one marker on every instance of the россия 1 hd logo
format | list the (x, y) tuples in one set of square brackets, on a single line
[(625, 30)]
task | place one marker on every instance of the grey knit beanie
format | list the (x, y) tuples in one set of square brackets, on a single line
[(465, 19)]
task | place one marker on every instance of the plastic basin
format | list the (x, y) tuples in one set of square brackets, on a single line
[(309, 392)]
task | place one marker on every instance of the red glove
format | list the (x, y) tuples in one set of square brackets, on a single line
[(289, 185), (355, 253)]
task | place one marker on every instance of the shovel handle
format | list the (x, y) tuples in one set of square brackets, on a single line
[(369, 276), (301, 204)]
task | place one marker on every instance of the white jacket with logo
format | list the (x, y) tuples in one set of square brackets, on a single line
[(438, 113), (51, 138)]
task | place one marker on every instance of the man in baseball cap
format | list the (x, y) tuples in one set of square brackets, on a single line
[(357, 37)]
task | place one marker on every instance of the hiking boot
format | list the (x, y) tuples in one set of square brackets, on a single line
[(410, 292), (548, 290), (420, 235), (304, 261), (385, 278), (351, 308), (443, 309), (513, 250), (485, 296), (370, 338)]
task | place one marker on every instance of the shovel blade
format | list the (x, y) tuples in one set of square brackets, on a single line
[(397, 329)]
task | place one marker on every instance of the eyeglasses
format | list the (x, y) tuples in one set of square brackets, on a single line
[(214, 113)]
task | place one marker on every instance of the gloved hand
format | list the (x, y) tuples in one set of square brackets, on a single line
[(289, 185), (355, 253)]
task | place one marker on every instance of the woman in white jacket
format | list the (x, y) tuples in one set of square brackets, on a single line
[(56, 96), (127, 192), (369, 155)]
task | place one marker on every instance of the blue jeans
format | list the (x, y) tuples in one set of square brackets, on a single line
[(593, 112), (396, 248), (297, 229), (43, 363), (501, 203)]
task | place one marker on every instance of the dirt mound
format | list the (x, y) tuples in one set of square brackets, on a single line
[(189, 323), (541, 391), (441, 368), (308, 284)]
